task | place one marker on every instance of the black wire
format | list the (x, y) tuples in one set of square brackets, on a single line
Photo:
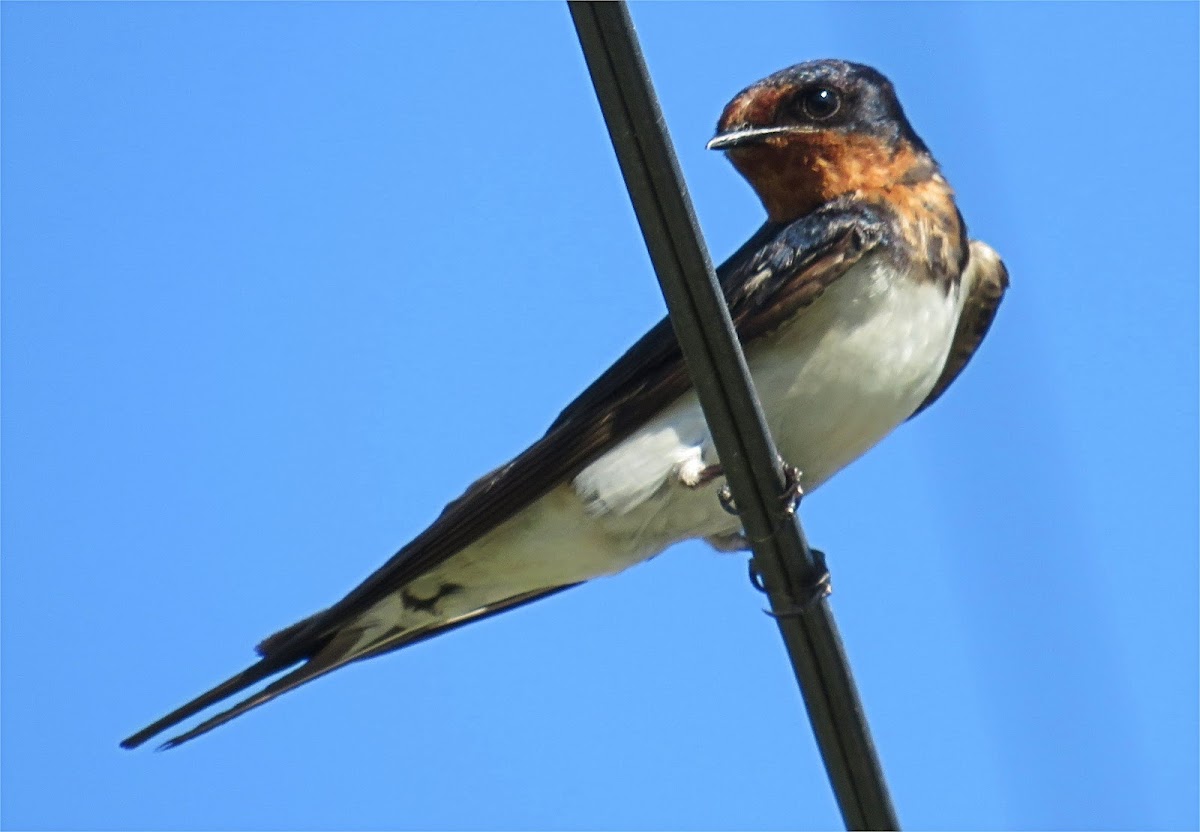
[(789, 569)]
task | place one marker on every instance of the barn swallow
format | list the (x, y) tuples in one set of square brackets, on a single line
[(858, 302)]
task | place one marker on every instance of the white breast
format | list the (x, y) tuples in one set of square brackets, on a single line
[(835, 381)]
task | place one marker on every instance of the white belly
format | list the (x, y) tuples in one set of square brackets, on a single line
[(852, 367), (834, 382)]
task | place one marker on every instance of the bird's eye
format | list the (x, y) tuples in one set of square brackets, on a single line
[(820, 103)]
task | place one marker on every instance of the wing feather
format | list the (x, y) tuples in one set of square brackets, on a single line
[(799, 262), (986, 280), (779, 271)]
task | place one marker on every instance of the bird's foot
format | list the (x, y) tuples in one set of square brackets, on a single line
[(725, 497), (793, 491)]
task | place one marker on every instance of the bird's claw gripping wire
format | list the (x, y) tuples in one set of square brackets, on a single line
[(793, 491), (818, 585), (725, 497)]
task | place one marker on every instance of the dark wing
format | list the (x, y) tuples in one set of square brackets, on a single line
[(779, 272), (658, 347), (986, 280)]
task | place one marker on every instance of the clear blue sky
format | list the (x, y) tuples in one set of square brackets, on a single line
[(280, 280)]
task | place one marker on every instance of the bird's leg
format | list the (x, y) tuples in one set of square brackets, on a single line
[(693, 473), (818, 583), (725, 497), (793, 491)]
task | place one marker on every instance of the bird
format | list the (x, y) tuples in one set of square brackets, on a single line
[(858, 302)]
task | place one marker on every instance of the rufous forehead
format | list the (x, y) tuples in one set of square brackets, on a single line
[(754, 106)]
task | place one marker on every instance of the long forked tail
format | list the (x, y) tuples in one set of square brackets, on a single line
[(250, 676), (318, 659), (336, 653), (330, 652)]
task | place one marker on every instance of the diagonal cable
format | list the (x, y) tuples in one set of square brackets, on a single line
[(718, 369)]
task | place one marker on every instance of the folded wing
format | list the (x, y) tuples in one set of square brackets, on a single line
[(778, 272)]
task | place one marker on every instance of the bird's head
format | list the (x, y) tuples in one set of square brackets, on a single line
[(817, 131)]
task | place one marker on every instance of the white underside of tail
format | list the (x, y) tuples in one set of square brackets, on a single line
[(852, 367)]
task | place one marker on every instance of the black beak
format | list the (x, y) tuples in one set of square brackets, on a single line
[(745, 136)]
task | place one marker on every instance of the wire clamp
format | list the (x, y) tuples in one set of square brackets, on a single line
[(818, 585)]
